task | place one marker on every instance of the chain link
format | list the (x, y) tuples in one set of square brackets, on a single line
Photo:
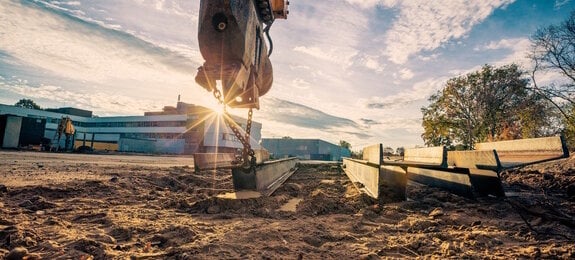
[(248, 158)]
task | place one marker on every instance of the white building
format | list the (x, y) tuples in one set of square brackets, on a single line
[(184, 129)]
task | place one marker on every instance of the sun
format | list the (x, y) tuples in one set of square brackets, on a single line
[(216, 107), (219, 109)]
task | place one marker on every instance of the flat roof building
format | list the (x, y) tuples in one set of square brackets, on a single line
[(305, 149), (185, 129)]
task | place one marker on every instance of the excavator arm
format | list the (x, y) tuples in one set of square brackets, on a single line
[(231, 40)]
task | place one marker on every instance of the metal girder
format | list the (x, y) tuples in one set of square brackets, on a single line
[(266, 178)]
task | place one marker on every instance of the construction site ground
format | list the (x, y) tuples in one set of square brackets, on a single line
[(71, 206)]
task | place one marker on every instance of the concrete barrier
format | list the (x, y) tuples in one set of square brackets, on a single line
[(487, 159), (364, 176), (203, 161), (515, 153), (433, 156), (206, 161), (373, 154)]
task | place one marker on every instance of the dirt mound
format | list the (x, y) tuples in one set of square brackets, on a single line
[(322, 203), (70, 210)]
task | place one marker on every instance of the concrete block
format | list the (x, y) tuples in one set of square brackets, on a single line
[(521, 152), (428, 155), (373, 154), (474, 159), (266, 178), (365, 177), (205, 161)]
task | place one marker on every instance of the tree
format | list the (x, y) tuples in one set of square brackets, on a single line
[(487, 105), (388, 151), (553, 50), (27, 103), (400, 151), (345, 144)]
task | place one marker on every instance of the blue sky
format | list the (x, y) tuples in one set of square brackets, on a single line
[(354, 70)]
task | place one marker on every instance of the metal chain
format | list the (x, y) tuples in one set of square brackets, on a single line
[(248, 158)]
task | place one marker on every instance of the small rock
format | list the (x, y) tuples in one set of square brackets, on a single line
[(17, 253), (33, 256), (370, 256), (445, 248), (102, 238), (436, 213), (537, 222), (213, 209), (571, 190), (114, 179), (533, 252)]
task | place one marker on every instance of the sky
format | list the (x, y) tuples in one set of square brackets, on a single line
[(353, 70)]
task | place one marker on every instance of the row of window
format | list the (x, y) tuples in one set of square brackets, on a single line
[(152, 135), (124, 124)]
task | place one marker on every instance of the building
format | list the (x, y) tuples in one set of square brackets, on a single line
[(184, 129), (305, 149)]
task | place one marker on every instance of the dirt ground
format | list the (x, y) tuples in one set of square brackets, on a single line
[(69, 206)]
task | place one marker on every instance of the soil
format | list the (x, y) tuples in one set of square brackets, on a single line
[(69, 206)]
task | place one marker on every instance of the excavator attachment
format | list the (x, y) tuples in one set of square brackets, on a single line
[(231, 38)]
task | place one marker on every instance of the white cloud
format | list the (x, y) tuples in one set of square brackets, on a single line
[(101, 103), (420, 91), (405, 74), (372, 3), (425, 25), (518, 49), (336, 55)]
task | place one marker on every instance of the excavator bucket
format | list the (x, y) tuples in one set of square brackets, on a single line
[(231, 39)]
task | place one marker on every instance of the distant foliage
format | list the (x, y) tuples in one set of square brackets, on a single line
[(487, 105), (27, 103), (345, 144), (400, 151)]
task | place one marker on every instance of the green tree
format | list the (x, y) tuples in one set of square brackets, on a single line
[(27, 103), (487, 105), (345, 144)]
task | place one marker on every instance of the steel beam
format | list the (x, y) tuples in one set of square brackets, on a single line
[(267, 176)]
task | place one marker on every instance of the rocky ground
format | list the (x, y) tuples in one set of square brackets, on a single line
[(66, 206)]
